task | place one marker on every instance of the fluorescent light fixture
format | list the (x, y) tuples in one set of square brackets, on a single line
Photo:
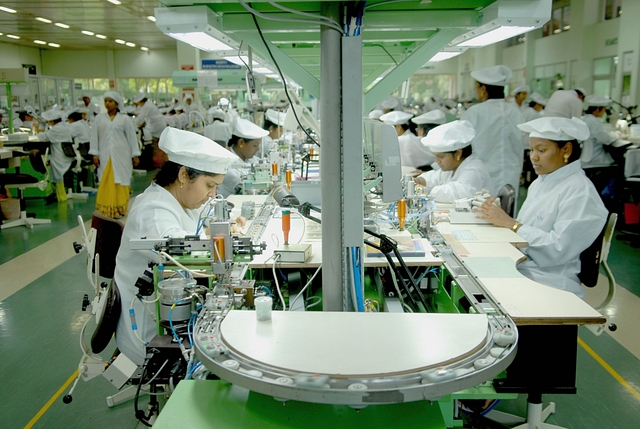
[(101, 36), (11, 36), (120, 41), (40, 42), (201, 41), (261, 70), (196, 25), (151, 18), (494, 36), (505, 19), (116, 2), (45, 20), (6, 9), (130, 44), (53, 45), (239, 60), (144, 48), (88, 33), (61, 25), (447, 53)]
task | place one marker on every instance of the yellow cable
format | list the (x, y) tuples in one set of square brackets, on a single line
[(610, 370), (51, 401)]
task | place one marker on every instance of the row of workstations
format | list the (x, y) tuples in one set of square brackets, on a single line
[(478, 259)]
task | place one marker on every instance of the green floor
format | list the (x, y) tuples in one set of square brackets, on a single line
[(39, 349)]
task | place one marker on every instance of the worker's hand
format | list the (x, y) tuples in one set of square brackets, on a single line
[(241, 221), (494, 214), (96, 161), (136, 161), (420, 181)]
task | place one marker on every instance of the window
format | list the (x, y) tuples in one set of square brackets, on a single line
[(611, 9), (604, 76), (560, 18), (424, 86), (157, 90)]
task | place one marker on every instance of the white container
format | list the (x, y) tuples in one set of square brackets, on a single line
[(634, 131), (263, 308)]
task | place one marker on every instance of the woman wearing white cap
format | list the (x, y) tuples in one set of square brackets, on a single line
[(562, 214), (412, 152), (218, 130), (245, 143), (498, 141), (273, 122), (461, 173), (169, 207), (428, 121), (520, 94), (114, 147), (533, 110), (150, 121), (57, 134)]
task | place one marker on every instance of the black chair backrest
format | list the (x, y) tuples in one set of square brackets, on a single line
[(36, 161), (590, 259), (68, 150), (108, 236)]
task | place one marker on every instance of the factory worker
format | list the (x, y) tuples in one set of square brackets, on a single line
[(164, 111), (412, 152), (22, 119), (461, 173), (498, 141), (593, 151), (273, 122), (534, 109), (150, 121), (169, 207), (245, 143), (427, 121), (563, 104), (57, 134), (562, 214), (520, 94), (114, 148), (218, 130), (581, 92), (189, 105), (389, 104), (79, 128), (375, 114), (181, 118), (92, 109)]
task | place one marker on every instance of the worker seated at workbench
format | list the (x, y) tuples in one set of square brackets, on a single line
[(461, 173), (563, 213)]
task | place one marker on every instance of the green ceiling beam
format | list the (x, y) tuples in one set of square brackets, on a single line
[(408, 66), (288, 66), (391, 21), (368, 36), (370, 76)]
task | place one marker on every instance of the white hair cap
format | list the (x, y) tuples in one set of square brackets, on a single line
[(217, 113), (596, 100), (563, 104), (390, 102), (139, 97), (375, 114), (450, 137), (496, 75), (248, 130), (396, 118), (115, 97), (556, 129), (188, 97), (195, 151), (433, 117), (178, 107), (539, 99), (275, 117), (580, 90), (53, 115), (521, 88)]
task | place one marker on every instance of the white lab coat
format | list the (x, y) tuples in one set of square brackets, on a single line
[(80, 131), (60, 163), (470, 177), (412, 152), (182, 120), (593, 153), (498, 141), (116, 140), (149, 114), (154, 214), (93, 111), (219, 132), (529, 113), (561, 217)]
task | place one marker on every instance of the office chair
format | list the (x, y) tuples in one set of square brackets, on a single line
[(507, 197), (70, 150), (632, 181), (24, 181)]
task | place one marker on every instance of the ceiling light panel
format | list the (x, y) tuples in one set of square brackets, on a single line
[(61, 25), (6, 9), (45, 20)]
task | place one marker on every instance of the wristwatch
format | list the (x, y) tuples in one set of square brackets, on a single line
[(516, 226)]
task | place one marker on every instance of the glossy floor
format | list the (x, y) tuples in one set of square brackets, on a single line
[(42, 282)]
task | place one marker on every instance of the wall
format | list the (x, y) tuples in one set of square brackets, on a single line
[(13, 56)]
